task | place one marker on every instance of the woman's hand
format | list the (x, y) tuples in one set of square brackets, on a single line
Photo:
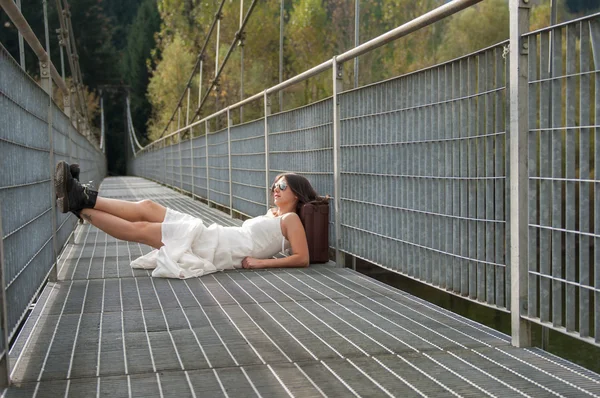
[(250, 263)]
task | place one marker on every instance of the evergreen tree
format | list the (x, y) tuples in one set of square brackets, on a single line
[(137, 62), (582, 6)]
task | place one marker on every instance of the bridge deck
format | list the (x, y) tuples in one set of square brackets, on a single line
[(107, 330)]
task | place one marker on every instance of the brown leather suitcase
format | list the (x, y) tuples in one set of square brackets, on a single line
[(315, 218)]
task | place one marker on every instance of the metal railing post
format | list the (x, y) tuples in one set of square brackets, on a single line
[(281, 10), (241, 60), (217, 47), (180, 163), (4, 359), (68, 112), (187, 123), (356, 38), (207, 173), (22, 44), (179, 149), (267, 106), (229, 156), (47, 85), (519, 183), (337, 88), (200, 82)]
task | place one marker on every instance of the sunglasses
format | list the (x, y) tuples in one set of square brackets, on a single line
[(282, 185)]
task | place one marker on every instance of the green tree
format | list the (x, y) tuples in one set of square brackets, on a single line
[(121, 14), (475, 28), (137, 62), (305, 34), (167, 83), (582, 6)]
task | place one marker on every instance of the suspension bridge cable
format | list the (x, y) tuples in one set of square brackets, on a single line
[(69, 41), (130, 124), (222, 67), (102, 122), (200, 57), (129, 134)]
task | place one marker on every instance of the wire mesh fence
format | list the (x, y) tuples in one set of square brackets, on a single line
[(423, 163), (27, 147)]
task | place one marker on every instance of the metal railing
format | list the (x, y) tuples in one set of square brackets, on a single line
[(426, 178), (34, 134)]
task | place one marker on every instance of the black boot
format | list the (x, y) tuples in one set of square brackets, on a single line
[(72, 196), (74, 169)]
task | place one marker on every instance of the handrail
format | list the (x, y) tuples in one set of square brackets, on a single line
[(420, 22), (21, 24)]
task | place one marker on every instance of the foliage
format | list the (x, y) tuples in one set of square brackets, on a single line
[(475, 28), (168, 82), (137, 63), (582, 6)]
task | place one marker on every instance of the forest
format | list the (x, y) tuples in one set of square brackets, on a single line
[(147, 49)]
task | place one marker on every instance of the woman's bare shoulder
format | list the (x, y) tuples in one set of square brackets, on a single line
[(290, 219)]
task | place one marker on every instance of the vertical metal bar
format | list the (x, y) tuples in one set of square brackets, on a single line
[(62, 56), (101, 129), (519, 24), (217, 47), (502, 197), (281, 10), (456, 183), (337, 89), (241, 61), (438, 159), (47, 84), (267, 108), (187, 113), (241, 80), (570, 162), (484, 154), (464, 182), (190, 132), (534, 196), (584, 187), (207, 173), (200, 83), (192, 164), (557, 159), (180, 136), (545, 172), (449, 221), (21, 43), (229, 162), (4, 357), (595, 35), (472, 167), (356, 38)]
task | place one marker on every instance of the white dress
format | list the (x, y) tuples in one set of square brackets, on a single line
[(191, 249)]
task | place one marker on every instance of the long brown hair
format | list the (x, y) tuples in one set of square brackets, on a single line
[(300, 186)]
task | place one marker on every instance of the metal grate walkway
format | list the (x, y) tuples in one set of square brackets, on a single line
[(107, 330)]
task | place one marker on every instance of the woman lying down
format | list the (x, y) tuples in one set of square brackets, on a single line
[(184, 246)]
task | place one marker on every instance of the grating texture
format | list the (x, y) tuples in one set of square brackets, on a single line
[(27, 148), (107, 330)]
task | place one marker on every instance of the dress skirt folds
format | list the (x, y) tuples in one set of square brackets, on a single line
[(191, 249)]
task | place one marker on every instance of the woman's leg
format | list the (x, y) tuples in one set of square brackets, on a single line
[(145, 210), (148, 233)]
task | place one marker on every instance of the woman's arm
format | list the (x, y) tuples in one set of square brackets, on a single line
[(293, 230)]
